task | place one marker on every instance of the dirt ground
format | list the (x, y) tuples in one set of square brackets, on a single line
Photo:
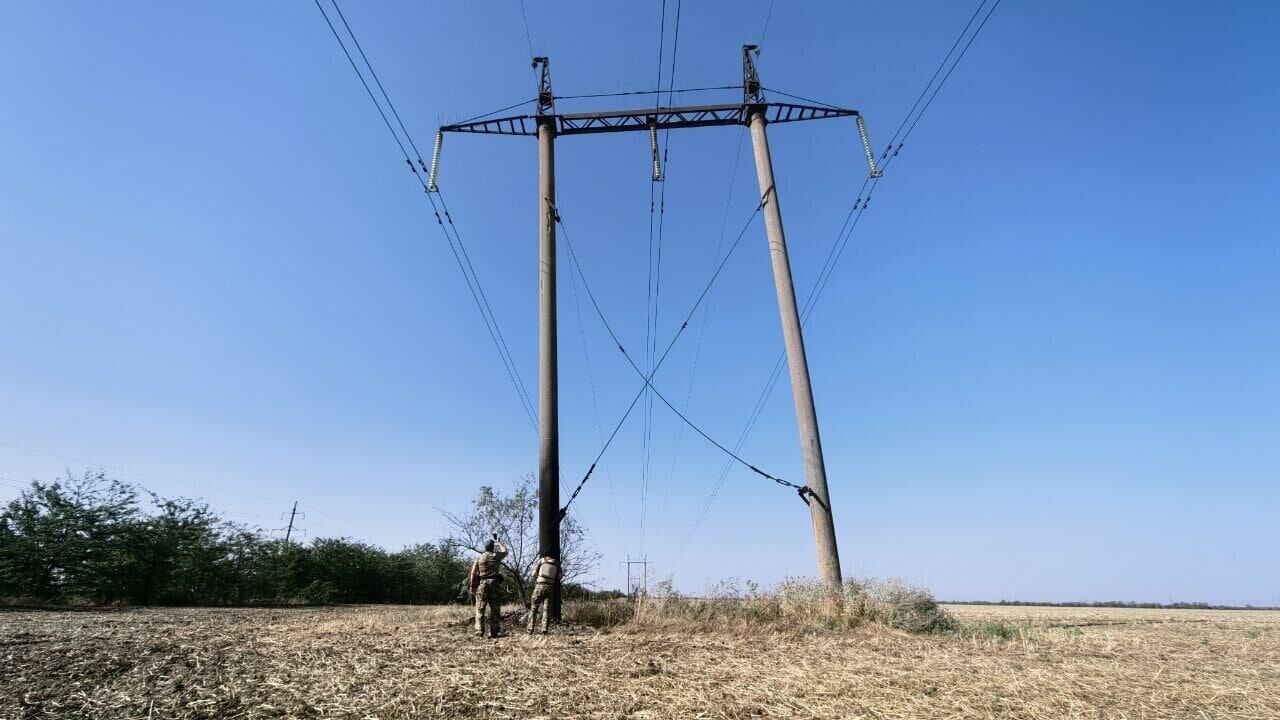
[(412, 662)]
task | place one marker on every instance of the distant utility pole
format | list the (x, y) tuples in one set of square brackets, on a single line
[(754, 112), (641, 586), (292, 513)]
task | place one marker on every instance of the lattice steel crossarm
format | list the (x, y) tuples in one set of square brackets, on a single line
[(644, 119)]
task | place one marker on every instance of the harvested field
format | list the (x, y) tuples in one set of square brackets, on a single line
[(403, 662)]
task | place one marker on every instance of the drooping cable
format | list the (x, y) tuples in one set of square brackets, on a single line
[(706, 320), (456, 246), (648, 379)]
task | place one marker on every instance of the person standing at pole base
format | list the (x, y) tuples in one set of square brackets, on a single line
[(546, 578), (486, 585)]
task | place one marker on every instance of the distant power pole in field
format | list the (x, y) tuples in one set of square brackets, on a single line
[(292, 514), (755, 112), (639, 587)]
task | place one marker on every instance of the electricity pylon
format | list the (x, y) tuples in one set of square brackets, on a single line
[(755, 112)]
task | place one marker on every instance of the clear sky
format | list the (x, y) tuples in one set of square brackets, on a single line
[(1047, 367)]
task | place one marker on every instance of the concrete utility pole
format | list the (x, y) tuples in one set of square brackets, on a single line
[(755, 112), (815, 470), (292, 513), (548, 361)]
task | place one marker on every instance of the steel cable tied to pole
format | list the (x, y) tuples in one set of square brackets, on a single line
[(804, 491)]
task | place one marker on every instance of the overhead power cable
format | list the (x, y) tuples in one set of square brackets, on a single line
[(651, 349), (501, 109), (669, 92), (706, 318), (765, 31), (801, 98), (456, 246), (595, 398), (417, 153), (648, 379), (938, 71), (459, 250), (524, 17)]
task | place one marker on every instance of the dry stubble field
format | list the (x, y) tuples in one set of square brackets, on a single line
[(403, 662)]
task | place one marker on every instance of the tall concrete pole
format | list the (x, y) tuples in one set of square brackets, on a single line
[(824, 529), (292, 513), (548, 374)]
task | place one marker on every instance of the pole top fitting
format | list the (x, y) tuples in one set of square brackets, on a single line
[(546, 99), (752, 92)]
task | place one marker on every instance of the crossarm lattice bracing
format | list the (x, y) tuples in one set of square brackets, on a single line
[(644, 119)]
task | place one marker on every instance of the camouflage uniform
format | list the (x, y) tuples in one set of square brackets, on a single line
[(486, 586), (546, 575)]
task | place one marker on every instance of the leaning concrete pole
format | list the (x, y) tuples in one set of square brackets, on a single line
[(548, 382), (824, 529)]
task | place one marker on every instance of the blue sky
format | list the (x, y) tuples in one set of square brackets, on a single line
[(1046, 367)]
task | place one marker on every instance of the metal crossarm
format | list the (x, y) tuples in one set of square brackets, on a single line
[(646, 119)]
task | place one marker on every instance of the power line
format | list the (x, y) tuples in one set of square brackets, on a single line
[(505, 349), (765, 31), (798, 97), (938, 71), (524, 17), (651, 338), (706, 317), (595, 400), (374, 75), (365, 83), (959, 57), (502, 109), (666, 352), (459, 251), (669, 92), (647, 434)]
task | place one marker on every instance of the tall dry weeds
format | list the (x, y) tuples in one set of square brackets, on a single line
[(796, 604)]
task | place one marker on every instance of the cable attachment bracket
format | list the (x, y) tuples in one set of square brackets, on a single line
[(752, 91), (866, 147), (546, 98), (653, 145), (435, 163), (807, 492)]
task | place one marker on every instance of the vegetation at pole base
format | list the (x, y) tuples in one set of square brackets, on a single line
[(797, 604), (94, 540), (514, 518)]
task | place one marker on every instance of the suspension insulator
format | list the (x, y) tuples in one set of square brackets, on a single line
[(653, 144), (866, 147), (435, 163)]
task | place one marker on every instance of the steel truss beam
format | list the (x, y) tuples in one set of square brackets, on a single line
[(643, 120)]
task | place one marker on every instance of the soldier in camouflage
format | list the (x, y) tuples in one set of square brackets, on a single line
[(546, 576), (486, 585)]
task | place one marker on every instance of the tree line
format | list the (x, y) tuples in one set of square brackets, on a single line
[(93, 539)]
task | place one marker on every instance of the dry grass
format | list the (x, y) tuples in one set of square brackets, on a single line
[(403, 662)]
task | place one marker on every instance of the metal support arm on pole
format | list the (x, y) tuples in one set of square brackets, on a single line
[(663, 118)]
